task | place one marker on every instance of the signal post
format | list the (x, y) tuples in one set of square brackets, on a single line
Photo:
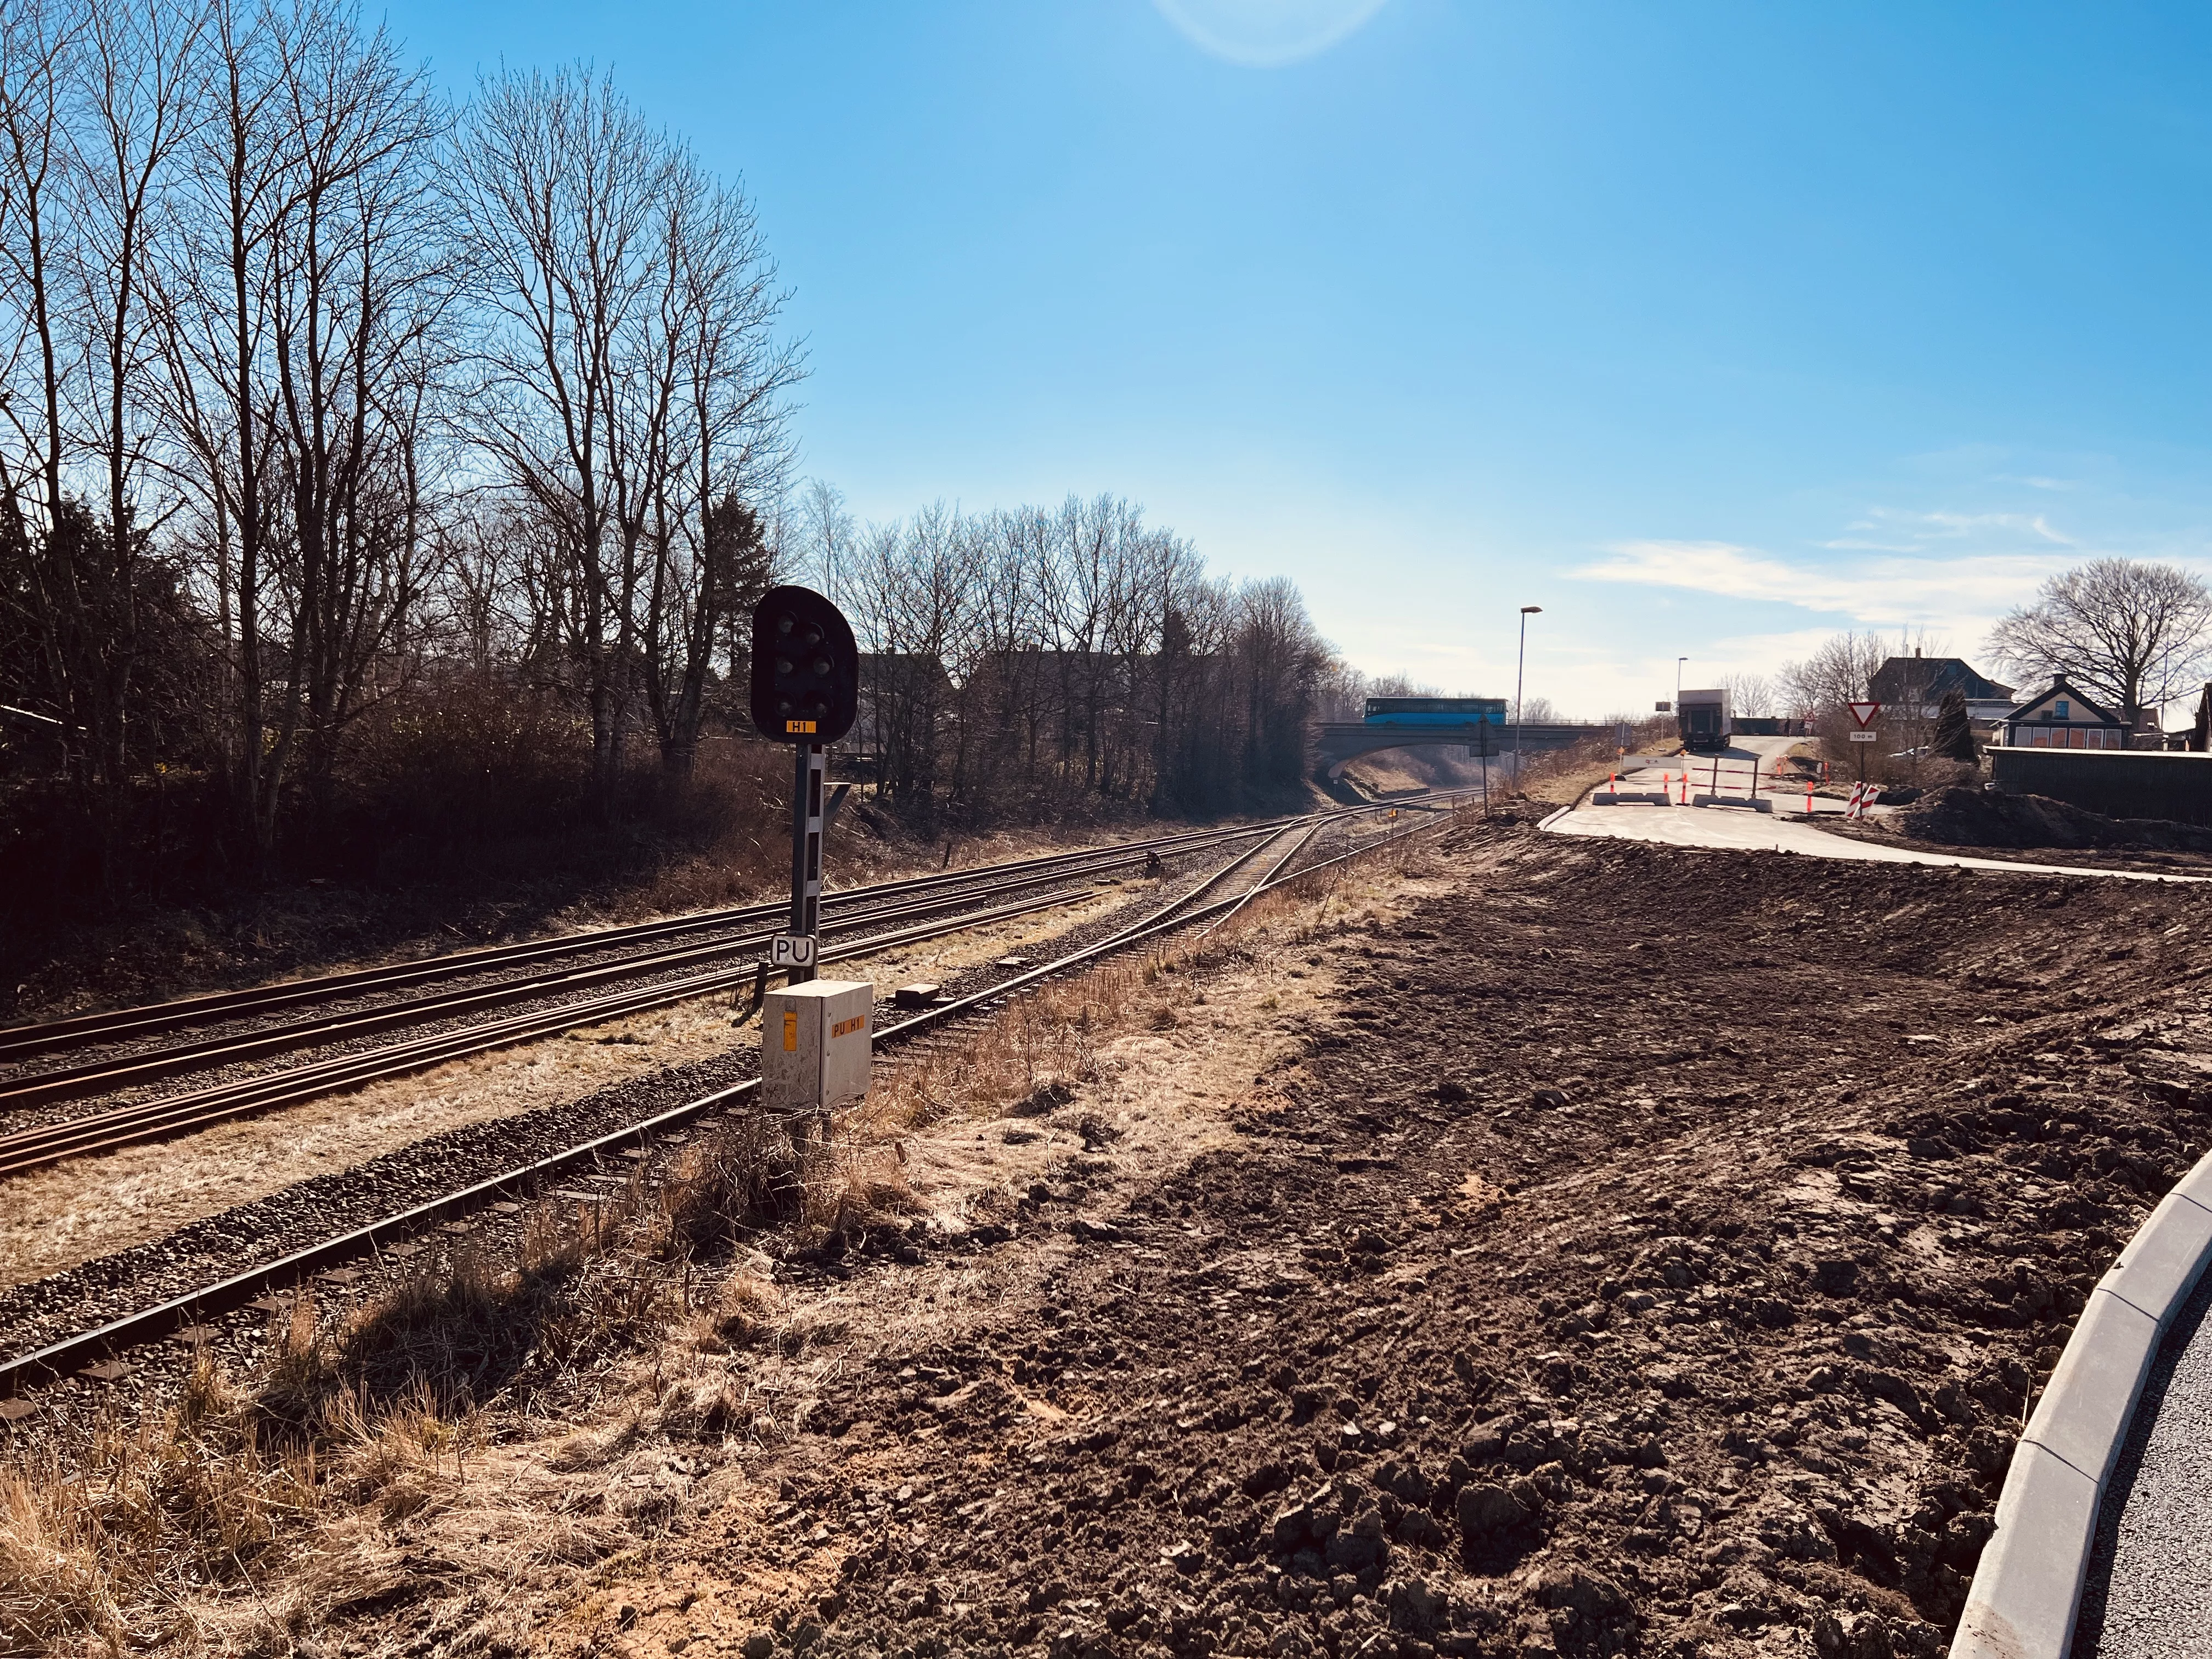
[(817, 1034)]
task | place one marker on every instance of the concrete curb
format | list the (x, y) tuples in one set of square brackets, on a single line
[(2027, 1590), (1551, 818)]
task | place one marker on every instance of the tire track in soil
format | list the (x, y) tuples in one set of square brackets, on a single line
[(1595, 1285)]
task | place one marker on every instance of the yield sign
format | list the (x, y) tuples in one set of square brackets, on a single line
[(1864, 713)]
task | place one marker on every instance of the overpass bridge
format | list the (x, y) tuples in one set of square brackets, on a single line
[(1342, 742)]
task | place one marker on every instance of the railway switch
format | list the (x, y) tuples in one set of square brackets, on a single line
[(816, 1040)]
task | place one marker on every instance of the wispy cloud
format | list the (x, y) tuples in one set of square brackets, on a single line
[(1888, 591), (1908, 532), (1954, 525)]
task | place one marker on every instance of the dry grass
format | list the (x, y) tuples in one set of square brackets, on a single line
[(377, 1414), (1562, 776), (745, 867), (1142, 1054), (102, 1527), (104, 1524)]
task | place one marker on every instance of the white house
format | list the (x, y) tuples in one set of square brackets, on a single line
[(2063, 718)]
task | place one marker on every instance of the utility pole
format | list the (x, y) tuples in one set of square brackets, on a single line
[(1679, 661), (1520, 664)]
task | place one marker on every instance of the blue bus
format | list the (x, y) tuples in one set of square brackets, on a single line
[(1436, 711)]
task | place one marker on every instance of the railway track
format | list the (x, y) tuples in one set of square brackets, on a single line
[(22, 1043), (42, 1143), (509, 1189), (866, 908)]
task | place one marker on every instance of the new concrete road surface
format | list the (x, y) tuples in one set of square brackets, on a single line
[(1744, 830), (2150, 1589)]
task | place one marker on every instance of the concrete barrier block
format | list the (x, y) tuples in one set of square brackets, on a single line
[(2086, 1406), (1762, 805), (2023, 1600), (2162, 1263)]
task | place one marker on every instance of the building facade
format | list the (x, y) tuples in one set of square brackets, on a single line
[(2061, 717), (1919, 684)]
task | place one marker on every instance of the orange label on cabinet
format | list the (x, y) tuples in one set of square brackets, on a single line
[(790, 1032), (847, 1027)]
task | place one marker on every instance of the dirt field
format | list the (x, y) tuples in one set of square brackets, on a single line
[(1592, 1249)]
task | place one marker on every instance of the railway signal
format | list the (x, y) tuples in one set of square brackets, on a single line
[(806, 669), (817, 1034), (805, 691)]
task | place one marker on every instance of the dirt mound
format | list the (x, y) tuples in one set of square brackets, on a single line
[(1981, 817)]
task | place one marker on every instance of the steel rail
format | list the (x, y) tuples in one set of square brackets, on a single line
[(47, 1144), (115, 1024), (1273, 870), (103, 1077), (63, 1357), (863, 909), (31, 1149)]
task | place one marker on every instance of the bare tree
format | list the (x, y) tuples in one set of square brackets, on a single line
[(304, 313), (307, 399), (52, 600), (633, 390), (1835, 673), (562, 186), (724, 442), (825, 535), (95, 100), (137, 107), (2127, 630), (1750, 694)]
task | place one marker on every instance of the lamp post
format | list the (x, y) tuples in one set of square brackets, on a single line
[(1520, 666), (1679, 661)]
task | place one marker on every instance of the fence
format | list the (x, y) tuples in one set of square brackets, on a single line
[(2121, 783)]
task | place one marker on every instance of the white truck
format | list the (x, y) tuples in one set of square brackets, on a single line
[(1702, 717)]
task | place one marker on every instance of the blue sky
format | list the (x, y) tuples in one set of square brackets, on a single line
[(1713, 329)]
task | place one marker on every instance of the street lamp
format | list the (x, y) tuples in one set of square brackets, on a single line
[(1679, 661), (1520, 664)]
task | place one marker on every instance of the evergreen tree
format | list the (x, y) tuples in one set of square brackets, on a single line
[(1955, 734)]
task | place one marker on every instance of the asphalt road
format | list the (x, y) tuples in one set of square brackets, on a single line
[(2150, 1589)]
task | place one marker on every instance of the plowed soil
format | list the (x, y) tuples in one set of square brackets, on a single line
[(1643, 1252)]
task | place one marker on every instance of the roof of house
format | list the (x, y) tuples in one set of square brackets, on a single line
[(2058, 688), (1897, 678)]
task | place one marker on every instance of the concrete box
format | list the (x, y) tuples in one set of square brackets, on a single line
[(816, 1040)]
